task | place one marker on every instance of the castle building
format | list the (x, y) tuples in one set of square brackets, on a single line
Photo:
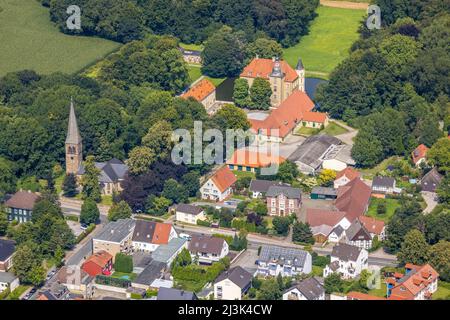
[(282, 77)]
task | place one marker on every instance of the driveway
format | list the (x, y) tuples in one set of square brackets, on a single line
[(431, 201), (247, 260)]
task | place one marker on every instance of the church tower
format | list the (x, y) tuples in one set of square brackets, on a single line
[(74, 155), (276, 79), (300, 69)]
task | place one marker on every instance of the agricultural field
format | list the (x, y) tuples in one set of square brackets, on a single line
[(330, 37), (30, 41)]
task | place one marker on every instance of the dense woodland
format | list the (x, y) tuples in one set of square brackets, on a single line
[(193, 21)]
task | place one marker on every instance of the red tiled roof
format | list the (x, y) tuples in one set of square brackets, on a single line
[(318, 217), (247, 158), (262, 68), (319, 117), (353, 295), (353, 198), (419, 153), (286, 117), (100, 258), (413, 283), (224, 178), (372, 225), (200, 90), (162, 233), (349, 172)]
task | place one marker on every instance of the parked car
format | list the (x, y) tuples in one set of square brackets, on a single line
[(185, 236)]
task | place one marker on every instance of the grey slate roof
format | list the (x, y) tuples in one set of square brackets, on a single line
[(190, 52), (165, 252), (431, 180), (7, 248), (190, 209), (312, 149), (116, 231), (175, 294), (346, 252), (310, 288), (151, 272), (380, 181), (206, 244), (111, 171), (325, 191), (7, 277), (73, 135), (238, 276), (264, 185), (299, 65), (144, 230), (357, 228), (289, 192), (281, 255), (338, 230)]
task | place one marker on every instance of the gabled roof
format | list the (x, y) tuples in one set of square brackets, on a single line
[(151, 232), (206, 244), (167, 252), (7, 277), (116, 231), (286, 117), (253, 159), (200, 90), (346, 252), (152, 271), (348, 172), (353, 198), (318, 217), (412, 283), (319, 117), (7, 248), (189, 209), (237, 275), (262, 68), (338, 230), (431, 180), (288, 192), (175, 294), (282, 255), (22, 200), (110, 172), (380, 181), (310, 288), (322, 229), (223, 178), (356, 232), (100, 258), (263, 185), (372, 225), (419, 153)]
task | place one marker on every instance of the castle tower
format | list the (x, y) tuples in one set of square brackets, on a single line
[(300, 69), (74, 147), (276, 79)]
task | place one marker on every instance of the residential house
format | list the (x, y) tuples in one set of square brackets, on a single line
[(20, 206), (419, 155), (308, 289), (345, 176), (431, 180), (8, 281), (100, 263), (282, 77), (293, 113), (189, 214), (323, 193), (232, 284), (115, 237), (327, 224), (149, 235), (274, 260), (259, 187), (56, 291), (191, 56), (347, 260), (153, 271), (375, 227), (76, 280), (383, 185), (175, 294), (202, 91), (353, 198), (167, 253), (219, 186), (357, 235), (418, 283), (252, 161), (7, 249), (207, 249), (283, 201)]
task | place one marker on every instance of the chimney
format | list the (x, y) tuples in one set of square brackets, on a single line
[(273, 59)]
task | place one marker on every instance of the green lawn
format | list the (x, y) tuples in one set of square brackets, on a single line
[(122, 275), (443, 291), (371, 172), (379, 292), (391, 205), (15, 295), (195, 47), (317, 271), (331, 35), (30, 41), (242, 174), (305, 131), (194, 72), (333, 129)]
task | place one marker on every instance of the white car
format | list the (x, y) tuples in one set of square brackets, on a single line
[(185, 236)]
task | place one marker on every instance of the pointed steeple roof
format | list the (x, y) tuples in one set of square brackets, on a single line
[(299, 65), (73, 135)]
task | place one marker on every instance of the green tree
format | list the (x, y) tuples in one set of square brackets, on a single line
[(119, 210), (440, 259), (191, 182), (46, 206), (367, 150), (264, 48), (269, 290), (7, 177), (443, 190), (302, 233), (183, 259), (157, 205), (140, 160), (281, 225), (123, 263), (288, 172), (89, 212), (333, 283), (429, 131), (414, 249), (174, 191), (159, 139), (241, 95), (69, 186), (439, 155), (231, 117), (381, 207), (89, 181), (260, 94), (3, 222), (399, 51), (26, 264)]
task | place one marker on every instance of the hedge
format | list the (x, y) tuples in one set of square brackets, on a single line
[(85, 233), (114, 282), (123, 263), (204, 223)]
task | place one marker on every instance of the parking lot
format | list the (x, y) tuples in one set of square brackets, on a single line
[(308, 203)]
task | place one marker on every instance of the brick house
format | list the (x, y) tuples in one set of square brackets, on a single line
[(100, 263), (283, 201)]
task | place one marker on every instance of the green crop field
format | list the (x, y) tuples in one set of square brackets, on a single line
[(331, 35), (29, 40)]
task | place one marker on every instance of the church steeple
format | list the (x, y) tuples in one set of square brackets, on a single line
[(73, 143)]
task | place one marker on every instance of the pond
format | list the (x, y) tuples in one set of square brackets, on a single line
[(224, 91)]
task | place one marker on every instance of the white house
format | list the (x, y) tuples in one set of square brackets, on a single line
[(347, 260), (308, 289), (345, 176), (149, 235), (207, 249), (219, 186), (384, 185), (189, 214), (8, 281), (232, 284), (274, 260)]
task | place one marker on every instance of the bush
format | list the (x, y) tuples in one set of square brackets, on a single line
[(151, 293), (114, 282), (136, 296), (85, 233), (123, 263), (72, 217), (203, 223)]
